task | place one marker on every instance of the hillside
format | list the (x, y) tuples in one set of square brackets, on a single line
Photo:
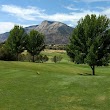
[(4, 36), (55, 32)]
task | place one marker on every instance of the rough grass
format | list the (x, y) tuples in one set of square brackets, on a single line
[(52, 53), (49, 86)]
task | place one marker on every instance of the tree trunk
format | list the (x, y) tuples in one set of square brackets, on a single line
[(17, 55), (33, 58), (93, 70)]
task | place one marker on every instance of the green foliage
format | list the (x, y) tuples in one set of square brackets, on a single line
[(16, 40), (24, 57), (41, 58), (6, 55), (45, 58), (90, 41), (1, 45), (35, 43), (21, 57), (28, 57), (56, 59)]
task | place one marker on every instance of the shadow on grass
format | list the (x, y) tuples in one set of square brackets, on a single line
[(85, 74)]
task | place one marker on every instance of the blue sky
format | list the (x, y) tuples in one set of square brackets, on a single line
[(33, 12)]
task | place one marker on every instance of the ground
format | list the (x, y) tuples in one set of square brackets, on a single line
[(50, 86)]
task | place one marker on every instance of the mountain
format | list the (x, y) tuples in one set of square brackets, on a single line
[(4, 36), (55, 32), (28, 29)]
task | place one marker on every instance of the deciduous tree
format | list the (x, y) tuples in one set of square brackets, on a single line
[(16, 40), (35, 43), (90, 41)]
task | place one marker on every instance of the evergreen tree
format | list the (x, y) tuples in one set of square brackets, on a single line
[(90, 41)]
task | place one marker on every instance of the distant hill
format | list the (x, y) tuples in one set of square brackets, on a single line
[(55, 32), (4, 36)]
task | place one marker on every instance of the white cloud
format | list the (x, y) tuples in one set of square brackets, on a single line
[(106, 12), (29, 13), (72, 8), (32, 13), (7, 26), (70, 17), (101, 8), (71, 25)]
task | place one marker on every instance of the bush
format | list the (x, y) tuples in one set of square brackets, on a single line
[(6, 55), (56, 59), (45, 58), (41, 59), (38, 59), (28, 57), (24, 57)]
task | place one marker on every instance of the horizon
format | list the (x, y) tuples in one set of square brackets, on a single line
[(30, 12), (34, 25)]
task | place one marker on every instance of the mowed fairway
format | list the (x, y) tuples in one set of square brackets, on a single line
[(49, 86)]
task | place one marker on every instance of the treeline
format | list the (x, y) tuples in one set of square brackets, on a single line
[(21, 46), (39, 58), (26, 56), (18, 41)]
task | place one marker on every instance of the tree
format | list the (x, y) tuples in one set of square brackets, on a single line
[(41, 58), (16, 40), (56, 59), (90, 41), (45, 58), (35, 43)]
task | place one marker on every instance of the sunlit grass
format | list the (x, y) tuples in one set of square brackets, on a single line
[(57, 86)]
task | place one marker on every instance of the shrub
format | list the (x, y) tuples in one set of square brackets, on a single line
[(56, 59), (6, 55), (41, 59), (24, 57), (45, 58)]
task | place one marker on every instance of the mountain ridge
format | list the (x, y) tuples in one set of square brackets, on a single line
[(55, 32)]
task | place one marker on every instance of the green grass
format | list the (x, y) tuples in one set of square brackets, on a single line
[(52, 53), (57, 87)]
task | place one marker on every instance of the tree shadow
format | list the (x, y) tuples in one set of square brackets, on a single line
[(84, 74)]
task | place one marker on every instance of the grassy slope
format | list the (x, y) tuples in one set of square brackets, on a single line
[(52, 53), (58, 87)]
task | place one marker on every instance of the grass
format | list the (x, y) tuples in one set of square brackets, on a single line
[(57, 86), (52, 53)]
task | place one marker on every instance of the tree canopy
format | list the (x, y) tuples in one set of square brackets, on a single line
[(35, 43), (90, 41), (16, 40)]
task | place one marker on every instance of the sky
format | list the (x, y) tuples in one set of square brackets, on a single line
[(33, 12)]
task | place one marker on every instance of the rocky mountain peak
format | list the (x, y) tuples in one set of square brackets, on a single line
[(54, 31)]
